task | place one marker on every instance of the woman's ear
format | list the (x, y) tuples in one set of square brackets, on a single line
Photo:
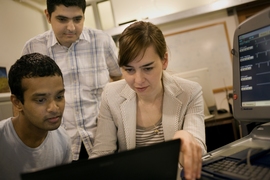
[(165, 61)]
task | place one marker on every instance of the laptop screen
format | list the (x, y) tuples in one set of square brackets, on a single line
[(158, 161)]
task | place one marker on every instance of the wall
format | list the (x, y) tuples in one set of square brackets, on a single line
[(199, 21), (20, 22), (142, 9)]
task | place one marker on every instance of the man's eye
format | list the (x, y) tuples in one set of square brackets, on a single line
[(77, 20), (60, 97), (62, 19), (40, 100)]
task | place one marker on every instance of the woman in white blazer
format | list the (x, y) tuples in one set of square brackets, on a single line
[(149, 105)]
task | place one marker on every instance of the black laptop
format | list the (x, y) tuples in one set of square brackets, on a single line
[(158, 161)]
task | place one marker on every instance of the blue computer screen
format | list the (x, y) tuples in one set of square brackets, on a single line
[(254, 59)]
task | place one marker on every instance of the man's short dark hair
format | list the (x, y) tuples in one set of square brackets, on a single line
[(51, 4), (30, 66)]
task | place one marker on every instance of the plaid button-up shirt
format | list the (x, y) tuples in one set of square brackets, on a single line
[(86, 66)]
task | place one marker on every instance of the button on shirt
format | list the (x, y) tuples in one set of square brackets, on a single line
[(86, 66)]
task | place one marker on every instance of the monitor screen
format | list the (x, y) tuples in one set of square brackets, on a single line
[(202, 77), (251, 68)]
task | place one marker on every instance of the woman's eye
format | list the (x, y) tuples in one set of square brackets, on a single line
[(148, 68), (129, 70)]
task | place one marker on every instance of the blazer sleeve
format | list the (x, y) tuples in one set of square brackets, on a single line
[(194, 117), (106, 134)]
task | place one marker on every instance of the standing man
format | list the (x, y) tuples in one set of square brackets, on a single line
[(88, 60)]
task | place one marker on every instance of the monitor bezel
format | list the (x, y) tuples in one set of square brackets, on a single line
[(254, 113)]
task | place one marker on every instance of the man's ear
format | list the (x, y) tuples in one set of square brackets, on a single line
[(16, 102), (48, 17)]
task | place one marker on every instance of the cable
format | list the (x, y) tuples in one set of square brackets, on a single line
[(248, 158)]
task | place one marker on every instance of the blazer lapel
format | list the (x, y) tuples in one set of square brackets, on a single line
[(170, 114), (128, 111)]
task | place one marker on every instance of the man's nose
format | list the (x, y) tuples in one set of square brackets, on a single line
[(71, 26), (52, 106)]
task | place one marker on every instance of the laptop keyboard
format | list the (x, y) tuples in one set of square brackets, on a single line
[(229, 169)]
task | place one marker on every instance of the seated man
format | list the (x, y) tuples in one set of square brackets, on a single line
[(33, 139)]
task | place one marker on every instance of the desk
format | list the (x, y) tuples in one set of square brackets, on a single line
[(220, 130)]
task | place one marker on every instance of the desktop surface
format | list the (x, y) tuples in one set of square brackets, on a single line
[(217, 117)]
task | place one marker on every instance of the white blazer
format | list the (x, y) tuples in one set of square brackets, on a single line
[(182, 109)]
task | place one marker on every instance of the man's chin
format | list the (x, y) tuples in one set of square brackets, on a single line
[(53, 126)]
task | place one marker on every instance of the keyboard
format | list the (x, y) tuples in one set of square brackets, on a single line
[(228, 168)]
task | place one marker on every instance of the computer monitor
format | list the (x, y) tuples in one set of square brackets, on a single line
[(251, 69), (202, 77)]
